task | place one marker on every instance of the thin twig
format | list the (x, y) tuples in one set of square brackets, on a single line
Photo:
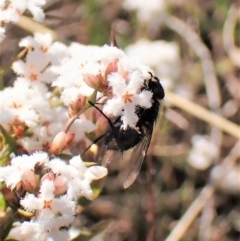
[(30, 25), (113, 39), (191, 214), (196, 207), (193, 40), (228, 34), (206, 220), (151, 205), (209, 76), (71, 120), (233, 156), (203, 114)]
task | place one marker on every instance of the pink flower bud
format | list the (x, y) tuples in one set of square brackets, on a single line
[(29, 181), (96, 82), (123, 72), (59, 142), (111, 68), (48, 176), (17, 128), (61, 185), (70, 138), (77, 105)]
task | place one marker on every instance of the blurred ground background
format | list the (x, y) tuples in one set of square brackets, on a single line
[(196, 59)]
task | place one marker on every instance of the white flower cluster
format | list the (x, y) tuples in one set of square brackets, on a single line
[(203, 152), (10, 10), (52, 85), (27, 109), (53, 199), (112, 73)]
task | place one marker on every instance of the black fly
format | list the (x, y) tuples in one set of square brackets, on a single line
[(118, 140)]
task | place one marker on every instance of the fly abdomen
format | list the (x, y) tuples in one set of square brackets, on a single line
[(124, 139)]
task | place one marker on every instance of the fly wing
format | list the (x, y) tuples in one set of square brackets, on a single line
[(111, 156), (136, 158)]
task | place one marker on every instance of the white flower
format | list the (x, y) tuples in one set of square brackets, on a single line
[(75, 92), (95, 173), (57, 52), (127, 96), (80, 127), (29, 231), (13, 173), (58, 166), (12, 9), (71, 82), (30, 161), (22, 103), (8, 13), (80, 179), (203, 152), (77, 163), (52, 213), (34, 6), (83, 60), (47, 205), (78, 186), (33, 69), (78, 175), (43, 43)]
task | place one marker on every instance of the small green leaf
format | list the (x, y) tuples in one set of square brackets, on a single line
[(91, 99), (97, 187), (93, 231), (2, 203), (89, 164), (4, 157), (25, 213), (10, 141), (64, 156)]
